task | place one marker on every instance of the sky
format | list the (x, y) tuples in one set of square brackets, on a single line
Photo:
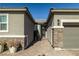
[(40, 11)]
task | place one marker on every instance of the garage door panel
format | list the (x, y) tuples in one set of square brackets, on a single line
[(71, 37)]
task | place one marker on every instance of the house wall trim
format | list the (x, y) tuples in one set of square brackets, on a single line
[(13, 36), (68, 21)]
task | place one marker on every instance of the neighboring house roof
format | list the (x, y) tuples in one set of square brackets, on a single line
[(62, 10), (25, 9), (39, 21)]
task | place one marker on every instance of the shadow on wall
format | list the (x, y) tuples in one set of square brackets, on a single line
[(29, 31), (36, 38), (33, 35), (26, 31)]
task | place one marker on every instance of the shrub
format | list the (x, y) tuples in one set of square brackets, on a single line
[(13, 44), (1, 46)]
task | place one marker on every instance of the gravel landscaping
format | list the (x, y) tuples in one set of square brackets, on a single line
[(42, 48)]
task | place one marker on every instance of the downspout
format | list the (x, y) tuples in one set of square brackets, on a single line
[(51, 36)]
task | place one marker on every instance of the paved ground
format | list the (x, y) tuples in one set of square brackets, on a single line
[(42, 48)]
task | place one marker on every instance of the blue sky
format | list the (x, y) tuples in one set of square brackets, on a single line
[(40, 10)]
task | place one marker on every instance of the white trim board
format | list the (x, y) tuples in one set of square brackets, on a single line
[(12, 36), (65, 49), (68, 20), (70, 49)]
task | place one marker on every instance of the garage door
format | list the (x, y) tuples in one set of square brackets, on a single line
[(71, 35)]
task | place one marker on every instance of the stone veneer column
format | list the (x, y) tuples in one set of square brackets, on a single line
[(57, 37)]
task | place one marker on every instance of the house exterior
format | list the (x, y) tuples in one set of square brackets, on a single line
[(63, 28), (16, 24), (40, 27)]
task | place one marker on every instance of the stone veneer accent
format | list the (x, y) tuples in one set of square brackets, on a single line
[(22, 41), (57, 37)]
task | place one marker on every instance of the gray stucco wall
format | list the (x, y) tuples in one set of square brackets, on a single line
[(50, 24), (65, 16), (58, 16), (29, 29), (20, 24), (16, 23), (58, 33)]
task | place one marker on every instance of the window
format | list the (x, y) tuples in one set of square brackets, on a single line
[(3, 22)]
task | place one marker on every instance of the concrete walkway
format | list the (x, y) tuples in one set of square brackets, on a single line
[(42, 48)]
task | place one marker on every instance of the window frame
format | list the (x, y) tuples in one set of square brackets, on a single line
[(2, 14)]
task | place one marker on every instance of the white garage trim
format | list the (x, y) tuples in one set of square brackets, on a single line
[(68, 20)]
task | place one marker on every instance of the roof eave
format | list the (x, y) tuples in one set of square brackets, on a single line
[(13, 9), (53, 11)]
